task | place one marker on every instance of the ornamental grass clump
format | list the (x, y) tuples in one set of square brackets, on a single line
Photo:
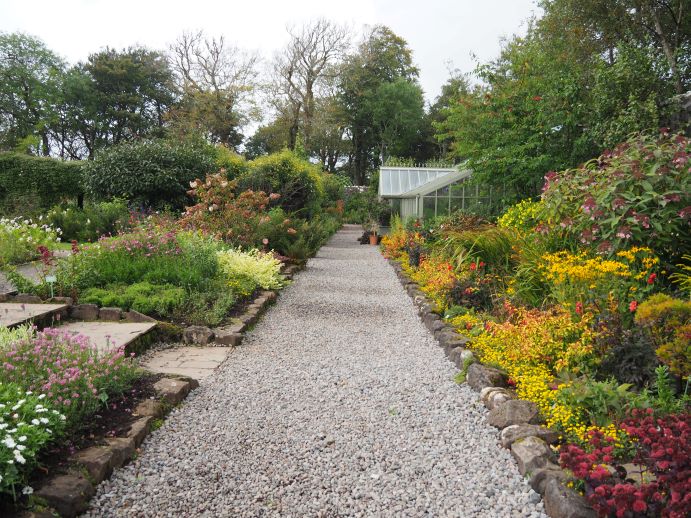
[(75, 377), (28, 422)]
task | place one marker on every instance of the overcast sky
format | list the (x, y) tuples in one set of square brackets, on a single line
[(440, 32)]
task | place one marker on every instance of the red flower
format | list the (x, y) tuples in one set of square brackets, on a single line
[(652, 278), (640, 506), (579, 308), (632, 306), (537, 98), (482, 265), (473, 266)]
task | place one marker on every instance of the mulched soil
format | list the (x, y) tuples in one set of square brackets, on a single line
[(114, 420)]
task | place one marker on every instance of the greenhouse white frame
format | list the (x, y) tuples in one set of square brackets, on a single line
[(421, 192)]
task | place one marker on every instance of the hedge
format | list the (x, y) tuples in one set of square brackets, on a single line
[(30, 184)]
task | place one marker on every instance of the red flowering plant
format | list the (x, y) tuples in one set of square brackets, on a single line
[(637, 194), (657, 479)]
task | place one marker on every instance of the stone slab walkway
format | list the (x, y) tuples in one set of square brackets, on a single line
[(17, 313), (109, 335), (196, 362), (338, 403)]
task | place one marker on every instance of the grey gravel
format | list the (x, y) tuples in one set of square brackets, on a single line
[(339, 403)]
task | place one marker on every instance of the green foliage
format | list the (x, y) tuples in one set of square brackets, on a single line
[(361, 207), (668, 321), (638, 194), (298, 182), (31, 184), (229, 161), (599, 402), (334, 188), (27, 425), (151, 173), (8, 336), (683, 275), (522, 217), (20, 239), (29, 93), (263, 269), (150, 299), (490, 244), (91, 222)]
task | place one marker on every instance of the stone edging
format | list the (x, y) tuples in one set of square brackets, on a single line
[(517, 419), (69, 494), (232, 335)]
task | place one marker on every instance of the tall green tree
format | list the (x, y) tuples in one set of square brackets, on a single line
[(382, 57), (30, 79)]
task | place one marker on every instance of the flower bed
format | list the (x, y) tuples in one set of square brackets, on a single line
[(593, 335)]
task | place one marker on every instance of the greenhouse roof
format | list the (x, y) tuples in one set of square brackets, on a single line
[(408, 182)]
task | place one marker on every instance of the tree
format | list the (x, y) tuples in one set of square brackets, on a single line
[(217, 82), (114, 97), (382, 57), (302, 68), (30, 77)]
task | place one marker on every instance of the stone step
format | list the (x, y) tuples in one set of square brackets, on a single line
[(107, 336), (196, 362), (14, 314)]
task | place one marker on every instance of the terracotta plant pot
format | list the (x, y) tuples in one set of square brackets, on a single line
[(373, 239)]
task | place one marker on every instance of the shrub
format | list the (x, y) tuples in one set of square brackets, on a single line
[(150, 173), (9, 336), (27, 425), (587, 280), (668, 321), (638, 194), (662, 460), (522, 217), (437, 279), (89, 223), (263, 269), (31, 184), (75, 377), (297, 181), (151, 299), (230, 163), (361, 207), (21, 238)]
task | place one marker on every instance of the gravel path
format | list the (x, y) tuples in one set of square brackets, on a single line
[(339, 403)]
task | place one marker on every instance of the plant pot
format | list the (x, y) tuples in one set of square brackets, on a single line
[(373, 239)]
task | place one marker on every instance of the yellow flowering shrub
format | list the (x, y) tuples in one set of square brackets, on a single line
[(533, 347), (583, 279), (436, 279)]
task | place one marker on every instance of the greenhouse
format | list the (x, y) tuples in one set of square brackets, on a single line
[(425, 192)]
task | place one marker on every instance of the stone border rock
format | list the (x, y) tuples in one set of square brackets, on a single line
[(68, 494), (518, 420)]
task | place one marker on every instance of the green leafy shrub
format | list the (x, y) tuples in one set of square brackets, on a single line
[(27, 425), (151, 299), (668, 321), (89, 223), (20, 239), (361, 207), (640, 194), (8, 336), (263, 269), (31, 184), (522, 217), (152, 173), (230, 163), (297, 181)]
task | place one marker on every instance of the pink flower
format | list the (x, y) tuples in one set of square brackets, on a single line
[(633, 305)]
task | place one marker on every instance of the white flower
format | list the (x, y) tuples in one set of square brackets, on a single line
[(42, 396), (21, 447), (44, 420), (9, 442), (28, 392), (21, 438), (3, 426), (41, 410), (18, 457), (35, 422), (27, 490)]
